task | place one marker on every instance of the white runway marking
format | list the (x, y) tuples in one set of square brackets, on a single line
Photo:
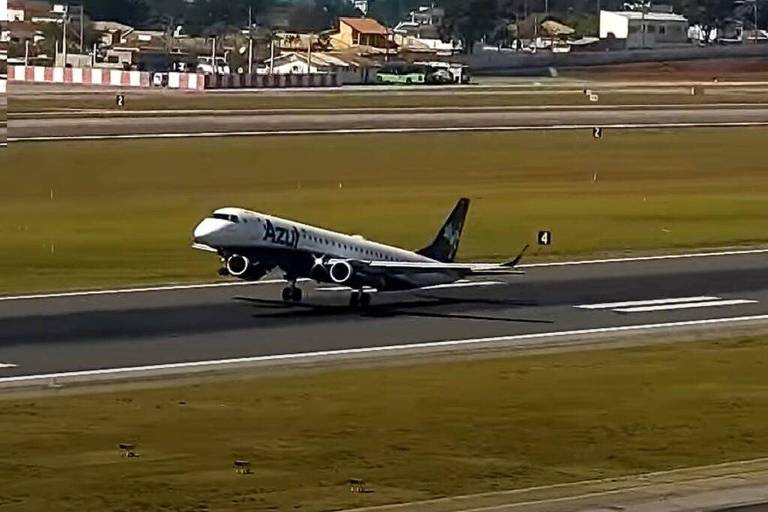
[(449, 108), (364, 131), (654, 302), (744, 252), (670, 304), (687, 305), (7, 365), (521, 339)]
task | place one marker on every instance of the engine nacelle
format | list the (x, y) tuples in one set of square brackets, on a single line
[(241, 267), (341, 272)]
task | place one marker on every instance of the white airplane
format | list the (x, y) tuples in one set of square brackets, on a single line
[(251, 244)]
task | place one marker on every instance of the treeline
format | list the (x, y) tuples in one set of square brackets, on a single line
[(475, 20), (204, 17), (469, 20)]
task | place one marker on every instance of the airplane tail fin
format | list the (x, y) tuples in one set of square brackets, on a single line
[(446, 244)]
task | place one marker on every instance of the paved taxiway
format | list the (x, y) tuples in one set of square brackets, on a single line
[(167, 124), (105, 331)]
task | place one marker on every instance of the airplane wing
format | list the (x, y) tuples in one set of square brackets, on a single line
[(466, 269), (475, 269)]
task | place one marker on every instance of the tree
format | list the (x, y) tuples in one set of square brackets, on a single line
[(470, 20)]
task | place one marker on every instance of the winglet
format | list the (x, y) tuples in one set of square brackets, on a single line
[(514, 262)]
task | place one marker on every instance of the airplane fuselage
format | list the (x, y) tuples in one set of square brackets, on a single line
[(252, 243)]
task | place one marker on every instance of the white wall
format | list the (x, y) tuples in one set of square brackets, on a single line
[(612, 23), (296, 67)]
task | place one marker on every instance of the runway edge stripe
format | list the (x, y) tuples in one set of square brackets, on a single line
[(364, 131), (154, 370)]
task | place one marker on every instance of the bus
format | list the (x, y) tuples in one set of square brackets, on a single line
[(423, 73), (402, 73)]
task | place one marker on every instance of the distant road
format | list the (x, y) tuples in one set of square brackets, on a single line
[(22, 129)]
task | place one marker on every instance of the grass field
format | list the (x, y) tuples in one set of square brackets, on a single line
[(165, 100), (94, 214), (416, 432)]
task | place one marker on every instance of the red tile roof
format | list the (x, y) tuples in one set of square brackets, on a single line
[(365, 25)]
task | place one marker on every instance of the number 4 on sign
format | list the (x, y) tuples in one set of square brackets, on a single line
[(545, 238)]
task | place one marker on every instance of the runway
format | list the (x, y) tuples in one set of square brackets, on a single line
[(213, 125), (193, 328)]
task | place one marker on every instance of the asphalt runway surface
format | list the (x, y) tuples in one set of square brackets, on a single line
[(63, 127), (118, 330)]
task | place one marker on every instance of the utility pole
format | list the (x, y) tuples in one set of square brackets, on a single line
[(309, 55), (756, 32), (82, 22), (64, 35), (642, 26), (271, 53), (26, 52), (250, 40), (214, 70)]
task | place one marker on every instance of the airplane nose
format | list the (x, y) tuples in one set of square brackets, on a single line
[(206, 231)]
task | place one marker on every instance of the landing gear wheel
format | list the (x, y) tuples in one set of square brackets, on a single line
[(292, 294), (354, 299), (365, 300)]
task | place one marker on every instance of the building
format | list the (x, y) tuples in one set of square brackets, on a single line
[(111, 32), (361, 32), (428, 16), (361, 5), (638, 29), (350, 69), (427, 45)]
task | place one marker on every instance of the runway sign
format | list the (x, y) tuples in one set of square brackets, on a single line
[(597, 132), (545, 238), (120, 100)]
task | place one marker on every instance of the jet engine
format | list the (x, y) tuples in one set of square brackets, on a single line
[(341, 272), (241, 267)]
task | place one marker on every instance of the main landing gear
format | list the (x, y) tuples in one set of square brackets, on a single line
[(292, 293), (359, 299)]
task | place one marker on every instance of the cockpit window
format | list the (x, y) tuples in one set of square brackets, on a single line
[(226, 216)]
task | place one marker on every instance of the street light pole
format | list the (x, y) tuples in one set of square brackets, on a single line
[(82, 50), (756, 32), (250, 40), (64, 35)]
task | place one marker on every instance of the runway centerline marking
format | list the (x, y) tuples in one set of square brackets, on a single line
[(182, 367), (669, 304), (654, 302), (686, 305), (116, 291)]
